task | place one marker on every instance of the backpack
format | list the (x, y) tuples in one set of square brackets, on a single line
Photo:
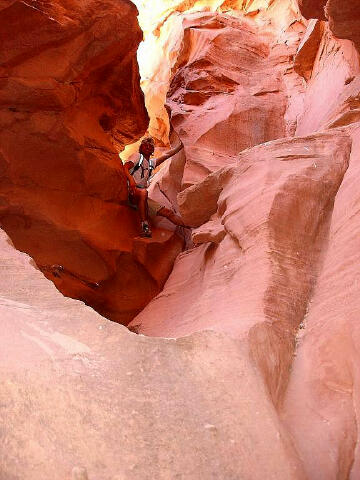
[(139, 165), (136, 167)]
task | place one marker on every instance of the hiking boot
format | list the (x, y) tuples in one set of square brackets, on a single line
[(145, 230)]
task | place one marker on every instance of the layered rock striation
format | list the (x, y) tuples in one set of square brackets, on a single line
[(233, 86), (262, 225)]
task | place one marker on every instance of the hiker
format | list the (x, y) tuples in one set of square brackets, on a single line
[(139, 174)]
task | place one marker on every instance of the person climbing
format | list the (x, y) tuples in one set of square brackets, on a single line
[(139, 173)]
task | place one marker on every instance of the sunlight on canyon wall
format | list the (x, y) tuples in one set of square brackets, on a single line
[(162, 24)]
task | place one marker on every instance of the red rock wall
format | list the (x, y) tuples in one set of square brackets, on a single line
[(313, 8), (70, 99)]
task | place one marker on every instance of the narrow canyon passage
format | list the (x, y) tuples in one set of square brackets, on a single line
[(246, 338)]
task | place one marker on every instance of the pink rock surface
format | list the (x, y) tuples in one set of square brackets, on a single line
[(82, 397), (163, 32), (274, 205), (321, 407), (321, 403), (210, 232), (228, 90), (272, 277), (332, 84)]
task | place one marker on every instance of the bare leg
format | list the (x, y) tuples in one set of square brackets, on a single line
[(141, 196), (141, 199), (170, 215)]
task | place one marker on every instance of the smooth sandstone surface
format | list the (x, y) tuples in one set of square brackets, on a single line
[(82, 397), (317, 354), (272, 208), (324, 389), (321, 403)]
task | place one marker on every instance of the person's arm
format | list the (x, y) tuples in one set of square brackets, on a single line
[(170, 153)]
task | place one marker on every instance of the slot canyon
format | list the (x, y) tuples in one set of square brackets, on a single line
[(228, 350)]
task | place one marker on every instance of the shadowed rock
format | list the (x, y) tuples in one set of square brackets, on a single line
[(70, 99)]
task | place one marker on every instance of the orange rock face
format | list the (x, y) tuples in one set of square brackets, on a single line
[(308, 49), (70, 99)]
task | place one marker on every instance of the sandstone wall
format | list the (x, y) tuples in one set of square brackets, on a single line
[(70, 99), (83, 398), (264, 382), (323, 390), (276, 248)]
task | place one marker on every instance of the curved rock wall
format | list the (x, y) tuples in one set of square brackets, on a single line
[(163, 27), (70, 99), (320, 406), (275, 234), (229, 92)]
